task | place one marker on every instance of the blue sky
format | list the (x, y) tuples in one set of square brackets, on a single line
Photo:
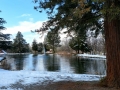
[(21, 16)]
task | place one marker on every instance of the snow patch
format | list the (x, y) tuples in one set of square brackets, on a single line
[(91, 56), (31, 77)]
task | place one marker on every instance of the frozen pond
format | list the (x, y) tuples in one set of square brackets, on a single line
[(57, 63)]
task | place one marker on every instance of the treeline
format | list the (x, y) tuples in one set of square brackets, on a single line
[(80, 40), (18, 45), (53, 43), (89, 43)]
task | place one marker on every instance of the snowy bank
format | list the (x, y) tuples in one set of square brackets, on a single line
[(91, 56), (32, 77)]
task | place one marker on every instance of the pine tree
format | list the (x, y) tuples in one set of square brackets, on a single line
[(40, 47), (34, 46), (19, 44), (73, 14), (53, 39), (79, 44), (4, 38), (2, 21), (112, 37), (86, 14)]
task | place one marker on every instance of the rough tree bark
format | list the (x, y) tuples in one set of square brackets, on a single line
[(112, 36), (113, 53)]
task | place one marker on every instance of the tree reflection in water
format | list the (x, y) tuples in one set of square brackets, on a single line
[(58, 63)]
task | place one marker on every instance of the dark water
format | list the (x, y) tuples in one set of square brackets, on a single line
[(57, 63)]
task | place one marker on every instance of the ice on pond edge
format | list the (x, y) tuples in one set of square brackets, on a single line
[(92, 56)]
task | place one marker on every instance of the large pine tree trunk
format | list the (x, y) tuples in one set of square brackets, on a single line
[(112, 36)]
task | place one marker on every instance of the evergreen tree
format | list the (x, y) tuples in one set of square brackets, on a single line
[(86, 14), (34, 46), (73, 14), (19, 44), (53, 39), (40, 47), (2, 21), (79, 44), (111, 13), (4, 38), (45, 44)]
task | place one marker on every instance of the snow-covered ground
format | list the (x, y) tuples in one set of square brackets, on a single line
[(8, 78), (92, 56)]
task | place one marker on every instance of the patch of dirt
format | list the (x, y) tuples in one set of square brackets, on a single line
[(63, 85)]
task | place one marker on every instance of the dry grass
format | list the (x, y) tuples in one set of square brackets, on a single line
[(64, 53)]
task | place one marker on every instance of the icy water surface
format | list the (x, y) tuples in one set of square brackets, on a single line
[(57, 63)]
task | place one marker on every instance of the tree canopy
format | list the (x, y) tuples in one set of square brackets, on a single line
[(81, 15), (4, 43), (2, 21), (79, 44), (73, 14), (19, 44), (53, 39), (34, 45), (3, 36)]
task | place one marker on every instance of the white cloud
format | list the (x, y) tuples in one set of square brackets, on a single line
[(30, 37), (25, 28), (25, 15)]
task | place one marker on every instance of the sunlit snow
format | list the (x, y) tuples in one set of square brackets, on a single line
[(92, 56), (7, 78), (31, 77)]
